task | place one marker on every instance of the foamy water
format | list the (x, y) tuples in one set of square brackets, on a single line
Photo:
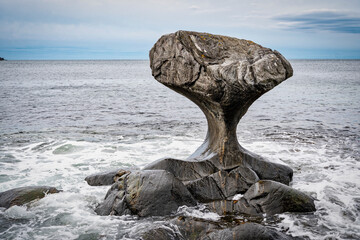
[(61, 121)]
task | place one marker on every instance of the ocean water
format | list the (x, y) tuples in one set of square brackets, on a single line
[(61, 121)]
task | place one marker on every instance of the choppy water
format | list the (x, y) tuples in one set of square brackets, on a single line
[(61, 121)]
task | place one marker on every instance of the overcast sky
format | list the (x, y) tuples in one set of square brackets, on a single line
[(118, 29)]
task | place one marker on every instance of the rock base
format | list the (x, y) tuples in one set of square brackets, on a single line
[(146, 193)]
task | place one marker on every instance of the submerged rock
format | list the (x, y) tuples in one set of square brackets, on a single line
[(146, 193), (223, 76), (23, 195)]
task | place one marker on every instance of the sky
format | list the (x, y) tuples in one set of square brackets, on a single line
[(127, 29)]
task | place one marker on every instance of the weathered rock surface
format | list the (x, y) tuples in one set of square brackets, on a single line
[(146, 193), (223, 76), (23, 195), (272, 197), (266, 197), (222, 184), (105, 178)]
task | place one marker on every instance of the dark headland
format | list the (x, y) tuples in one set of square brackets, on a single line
[(2, 59)]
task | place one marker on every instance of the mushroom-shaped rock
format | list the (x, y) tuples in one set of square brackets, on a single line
[(223, 76), (146, 193), (23, 195)]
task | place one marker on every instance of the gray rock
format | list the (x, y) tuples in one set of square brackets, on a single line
[(272, 197), (222, 184), (164, 232), (23, 195), (105, 178), (184, 170), (146, 193), (265, 197), (223, 76)]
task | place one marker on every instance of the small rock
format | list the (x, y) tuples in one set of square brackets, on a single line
[(272, 197), (105, 178), (22, 195)]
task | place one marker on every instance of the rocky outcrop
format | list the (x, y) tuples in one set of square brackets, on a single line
[(2, 59), (223, 76), (146, 193), (23, 195)]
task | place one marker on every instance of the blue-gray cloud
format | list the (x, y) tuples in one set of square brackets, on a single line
[(322, 20)]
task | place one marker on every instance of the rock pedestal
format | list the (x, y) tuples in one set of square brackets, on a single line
[(223, 76)]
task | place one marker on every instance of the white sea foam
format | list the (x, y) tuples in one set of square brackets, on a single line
[(199, 211), (18, 212)]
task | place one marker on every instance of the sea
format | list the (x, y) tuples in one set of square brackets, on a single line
[(61, 121)]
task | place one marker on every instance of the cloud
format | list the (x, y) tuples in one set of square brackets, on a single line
[(320, 20)]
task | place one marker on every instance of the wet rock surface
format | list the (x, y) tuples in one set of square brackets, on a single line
[(222, 184), (23, 195), (272, 197), (266, 197), (146, 193)]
